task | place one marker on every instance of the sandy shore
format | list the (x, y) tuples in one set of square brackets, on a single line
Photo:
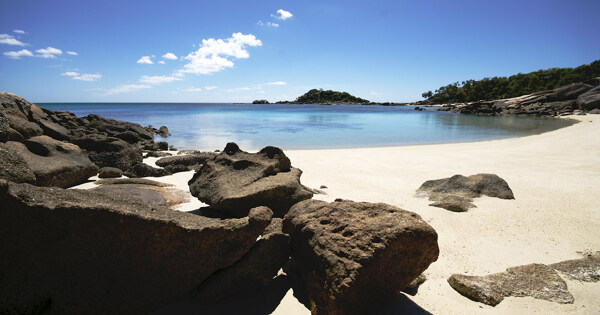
[(555, 216)]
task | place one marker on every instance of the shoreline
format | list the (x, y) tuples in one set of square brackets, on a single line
[(554, 217)]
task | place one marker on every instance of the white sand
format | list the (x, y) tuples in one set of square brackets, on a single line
[(555, 178)]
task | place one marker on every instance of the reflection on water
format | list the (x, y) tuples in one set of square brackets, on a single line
[(210, 126)]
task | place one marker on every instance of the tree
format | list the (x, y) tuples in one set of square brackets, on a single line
[(427, 94)]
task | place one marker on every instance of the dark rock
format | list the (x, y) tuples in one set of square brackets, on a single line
[(413, 287), (535, 280), (473, 186), (453, 203), (132, 181), (187, 160), (122, 160), (159, 154), (109, 172), (140, 169), (586, 269), (53, 162), (78, 252), (568, 92), (158, 195), (101, 143), (354, 256), (236, 181), (162, 145), (163, 131), (129, 136), (323, 187), (594, 111), (180, 168), (13, 167), (589, 100), (255, 270)]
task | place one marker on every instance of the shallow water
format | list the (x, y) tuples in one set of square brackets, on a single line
[(211, 126)]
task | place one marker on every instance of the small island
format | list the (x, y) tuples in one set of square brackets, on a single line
[(329, 97)]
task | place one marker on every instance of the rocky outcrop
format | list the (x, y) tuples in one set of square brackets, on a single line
[(236, 181), (53, 162), (353, 256), (566, 100), (79, 252), (196, 159), (140, 169), (109, 172), (255, 270), (457, 192), (13, 167), (155, 193), (535, 280), (123, 159)]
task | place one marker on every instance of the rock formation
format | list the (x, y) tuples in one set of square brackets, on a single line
[(77, 251), (455, 193), (236, 181), (152, 192), (353, 256)]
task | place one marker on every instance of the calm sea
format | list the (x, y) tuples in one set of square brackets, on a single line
[(211, 126)]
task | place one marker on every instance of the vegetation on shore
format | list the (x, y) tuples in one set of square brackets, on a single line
[(320, 96), (513, 86)]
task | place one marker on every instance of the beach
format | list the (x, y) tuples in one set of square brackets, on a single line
[(554, 216)]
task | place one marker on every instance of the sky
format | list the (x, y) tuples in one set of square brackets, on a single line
[(239, 51)]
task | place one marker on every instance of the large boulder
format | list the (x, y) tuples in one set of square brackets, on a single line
[(186, 160), (141, 169), (122, 159), (255, 270), (236, 181), (535, 280), (354, 256), (472, 186), (80, 252), (13, 167), (53, 162), (153, 192)]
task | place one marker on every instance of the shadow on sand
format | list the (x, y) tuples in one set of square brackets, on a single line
[(266, 300)]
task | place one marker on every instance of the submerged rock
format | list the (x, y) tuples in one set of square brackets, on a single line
[(236, 181), (354, 256), (77, 251)]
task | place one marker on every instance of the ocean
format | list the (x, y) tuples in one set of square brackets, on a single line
[(210, 126)]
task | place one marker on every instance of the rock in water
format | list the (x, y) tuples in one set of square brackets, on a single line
[(80, 252), (236, 181), (353, 256), (54, 163), (255, 270), (535, 280)]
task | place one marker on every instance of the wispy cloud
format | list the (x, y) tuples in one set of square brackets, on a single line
[(72, 53), (162, 62), (49, 52), (210, 88), (127, 88), (193, 89), (158, 79), (145, 60), (282, 14), (268, 24), (277, 83), (170, 56), (20, 32), (18, 54), (215, 55), (10, 40), (82, 77), (254, 87)]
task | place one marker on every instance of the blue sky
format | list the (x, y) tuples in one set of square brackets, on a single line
[(238, 51)]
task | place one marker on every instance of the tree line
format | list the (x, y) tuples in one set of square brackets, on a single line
[(319, 96), (513, 86)]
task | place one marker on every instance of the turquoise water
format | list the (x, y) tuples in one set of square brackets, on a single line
[(211, 126)]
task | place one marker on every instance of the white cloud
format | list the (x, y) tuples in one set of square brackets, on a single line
[(213, 55), (162, 62), (268, 24), (82, 77), (193, 90), (282, 14), (158, 79), (145, 60), (10, 40), (170, 56), (18, 54), (210, 88), (255, 87), (20, 31), (127, 88), (277, 83), (49, 52), (72, 53)]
